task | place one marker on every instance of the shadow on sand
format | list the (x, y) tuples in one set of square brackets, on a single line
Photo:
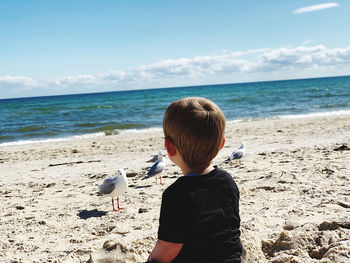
[(86, 214), (139, 186), (142, 186)]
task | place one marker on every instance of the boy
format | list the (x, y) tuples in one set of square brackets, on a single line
[(199, 218)]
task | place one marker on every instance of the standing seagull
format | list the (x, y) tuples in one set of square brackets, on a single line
[(157, 168), (155, 157), (238, 154), (114, 186)]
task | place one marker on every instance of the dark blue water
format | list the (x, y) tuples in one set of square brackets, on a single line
[(31, 119)]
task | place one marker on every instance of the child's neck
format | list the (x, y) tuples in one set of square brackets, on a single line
[(200, 170)]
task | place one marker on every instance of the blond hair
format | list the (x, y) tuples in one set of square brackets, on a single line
[(196, 126)]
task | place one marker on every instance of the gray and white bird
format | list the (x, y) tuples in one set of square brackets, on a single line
[(157, 168), (155, 157), (114, 187), (238, 154)]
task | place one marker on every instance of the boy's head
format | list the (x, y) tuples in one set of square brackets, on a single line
[(196, 126)]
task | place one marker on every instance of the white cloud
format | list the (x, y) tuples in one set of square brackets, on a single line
[(252, 65), (17, 80), (72, 80), (18, 83), (303, 57), (313, 8)]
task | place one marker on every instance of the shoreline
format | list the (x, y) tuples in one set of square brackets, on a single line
[(151, 129), (294, 197)]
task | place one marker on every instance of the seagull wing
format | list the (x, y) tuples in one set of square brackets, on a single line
[(237, 155), (157, 167), (154, 158), (108, 185)]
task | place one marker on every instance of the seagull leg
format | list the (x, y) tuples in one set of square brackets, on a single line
[(113, 204), (119, 208), (160, 180), (115, 210)]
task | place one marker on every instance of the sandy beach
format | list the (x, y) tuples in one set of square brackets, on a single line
[(294, 194)]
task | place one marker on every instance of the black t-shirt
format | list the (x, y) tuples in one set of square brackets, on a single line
[(202, 212)]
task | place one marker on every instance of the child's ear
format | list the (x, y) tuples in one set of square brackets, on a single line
[(170, 147), (223, 143)]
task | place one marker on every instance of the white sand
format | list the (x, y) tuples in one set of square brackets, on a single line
[(295, 195)]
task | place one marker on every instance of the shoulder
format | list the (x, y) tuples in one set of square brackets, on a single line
[(220, 171), (221, 174), (176, 188), (225, 178)]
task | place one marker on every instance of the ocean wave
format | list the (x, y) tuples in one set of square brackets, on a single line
[(83, 136), (293, 116), (112, 129), (92, 107), (30, 128), (239, 99), (50, 140), (327, 95), (250, 119), (154, 129), (6, 137), (87, 124), (332, 106), (46, 109), (316, 114)]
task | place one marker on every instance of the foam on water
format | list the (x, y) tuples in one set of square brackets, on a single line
[(316, 114), (78, 137), (154, 129), (50, 140)]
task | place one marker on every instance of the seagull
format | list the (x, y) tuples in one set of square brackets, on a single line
[(157, 168), (155, 157), (238, 154), (114, 186)]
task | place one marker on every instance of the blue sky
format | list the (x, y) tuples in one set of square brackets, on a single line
[(79, 46)]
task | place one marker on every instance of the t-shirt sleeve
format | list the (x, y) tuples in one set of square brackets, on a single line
[(172, 218)]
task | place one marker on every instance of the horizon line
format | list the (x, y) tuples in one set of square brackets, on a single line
[(172, 87)]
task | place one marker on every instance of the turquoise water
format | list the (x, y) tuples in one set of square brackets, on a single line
[(26, 120)]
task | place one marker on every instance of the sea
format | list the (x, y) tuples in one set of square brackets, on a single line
[(67, 117)]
